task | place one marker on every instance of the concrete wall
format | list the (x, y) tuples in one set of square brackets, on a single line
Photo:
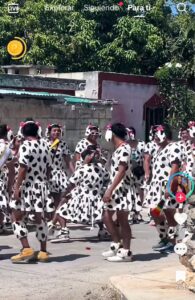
[(14, 110), (131, 98), (92, 82), (20, 81)]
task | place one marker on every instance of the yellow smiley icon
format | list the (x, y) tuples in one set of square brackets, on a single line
[(16, 48)]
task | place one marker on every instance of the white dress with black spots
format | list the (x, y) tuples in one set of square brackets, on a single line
[(190, 158), (137, 156), (58, 180), (82, 145), (151, 148), (35, 194), (86, 203), (4, 197), (161, 173), (124, 196)]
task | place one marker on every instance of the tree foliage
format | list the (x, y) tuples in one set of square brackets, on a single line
[(84, 40), (175, 95)]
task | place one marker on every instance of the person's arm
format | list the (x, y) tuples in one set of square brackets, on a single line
[(69, 163), (21, 177), (117, 179), (146, 165), (65, 195), (77, 156), (11, 176), (174, 183)]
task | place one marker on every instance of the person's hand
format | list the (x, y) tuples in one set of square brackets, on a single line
[(147, 178), (89, 158), (107, 196), (17, 194)]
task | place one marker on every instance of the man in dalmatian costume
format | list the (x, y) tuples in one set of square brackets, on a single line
[(85, 204), (92, 134), (61, 163), (150, 151), (120, 196), (167, 162), (137, 159), (31, 192), (6, 176)]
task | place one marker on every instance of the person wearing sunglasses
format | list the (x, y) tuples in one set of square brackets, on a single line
[(92, 134)]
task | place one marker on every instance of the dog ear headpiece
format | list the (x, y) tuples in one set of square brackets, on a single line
[(10, 134), (109, 133), (191, 129), (22, 125), (130, 135), (160, 132)]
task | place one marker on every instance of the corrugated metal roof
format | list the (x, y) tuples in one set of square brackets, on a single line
[(75, 100), (62, 97), (29, 93)]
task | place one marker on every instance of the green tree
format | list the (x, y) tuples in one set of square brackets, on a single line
[(175, 94), (84, 40)]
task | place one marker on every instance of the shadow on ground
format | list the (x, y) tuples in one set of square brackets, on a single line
[(7, 256), (149, 256), (2, 247), (70, 257)]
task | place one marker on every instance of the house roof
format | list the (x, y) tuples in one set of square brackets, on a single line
[(60, 97), (27, 66)]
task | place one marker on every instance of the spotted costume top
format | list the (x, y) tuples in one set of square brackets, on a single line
[(161, 171), (36, 156), (5, 156), (137, 157), (58, 175), (151, 148), (82, 146), (124, 197)]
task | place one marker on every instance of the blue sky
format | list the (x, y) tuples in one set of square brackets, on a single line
[(176, 7)]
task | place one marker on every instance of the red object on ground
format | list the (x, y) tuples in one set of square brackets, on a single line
[(88, 248), (180, 197)]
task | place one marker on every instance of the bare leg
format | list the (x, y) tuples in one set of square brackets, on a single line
[(56, 217), (161, 225), (17, 217), (1, 219), (110, 225), (172, 224), (41, 231), (122, 217)]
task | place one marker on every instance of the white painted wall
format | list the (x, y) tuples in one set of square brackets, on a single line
[(131, 98), (91, 88)]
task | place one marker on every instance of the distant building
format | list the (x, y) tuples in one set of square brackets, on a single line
[(52, 100), (139, 103)]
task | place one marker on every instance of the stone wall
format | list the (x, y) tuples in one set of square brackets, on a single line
[(14, 110)]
